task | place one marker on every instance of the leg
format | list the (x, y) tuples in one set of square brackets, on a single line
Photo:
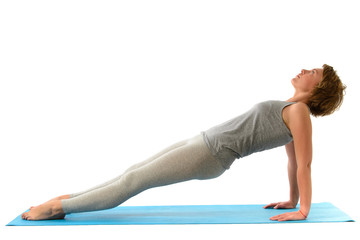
[(190, 161), (138, 165)]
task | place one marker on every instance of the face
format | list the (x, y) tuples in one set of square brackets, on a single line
[(307, 79)]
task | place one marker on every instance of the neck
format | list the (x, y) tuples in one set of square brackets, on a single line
[(300, 97)]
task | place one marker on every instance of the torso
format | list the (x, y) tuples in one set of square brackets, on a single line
[(263, 127)]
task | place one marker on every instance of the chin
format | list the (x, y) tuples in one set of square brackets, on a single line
[(293, 81)]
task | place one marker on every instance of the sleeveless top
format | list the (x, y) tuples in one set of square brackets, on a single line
[(261, 128)]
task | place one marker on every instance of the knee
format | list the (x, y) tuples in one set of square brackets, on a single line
[(127, 179), (131, 180)]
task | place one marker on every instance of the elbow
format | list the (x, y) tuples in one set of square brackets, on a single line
[(305, 164), (305, 169)]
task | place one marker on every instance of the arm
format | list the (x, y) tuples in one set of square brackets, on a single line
[(301, 130), (292, 174), (299, 123)]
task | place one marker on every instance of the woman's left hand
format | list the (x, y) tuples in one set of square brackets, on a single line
[(289, 216)]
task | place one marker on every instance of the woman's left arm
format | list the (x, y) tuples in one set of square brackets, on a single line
[(299, 123)]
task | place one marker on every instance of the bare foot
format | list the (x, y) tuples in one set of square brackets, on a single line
[(67, 196), (48, 210)]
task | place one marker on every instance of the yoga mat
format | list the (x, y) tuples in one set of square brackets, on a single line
[(188, 214)]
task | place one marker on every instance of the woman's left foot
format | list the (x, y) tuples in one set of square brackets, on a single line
[(48, 210), (67, 196)]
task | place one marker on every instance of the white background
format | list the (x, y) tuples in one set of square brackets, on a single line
[(89, 88)]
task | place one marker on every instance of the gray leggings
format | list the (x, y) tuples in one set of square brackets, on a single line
[(186, 160)]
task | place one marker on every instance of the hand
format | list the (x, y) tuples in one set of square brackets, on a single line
[(289, 216), (279, 205)]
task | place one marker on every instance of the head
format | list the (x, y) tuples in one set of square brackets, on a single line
[(323, 89), (327, 95)]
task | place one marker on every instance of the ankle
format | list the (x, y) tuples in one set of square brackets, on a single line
[(66, 196), (56, 207)]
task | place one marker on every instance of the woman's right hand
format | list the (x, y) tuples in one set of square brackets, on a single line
[(279, 205)]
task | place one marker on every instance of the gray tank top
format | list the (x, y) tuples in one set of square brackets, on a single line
[(261, 128)]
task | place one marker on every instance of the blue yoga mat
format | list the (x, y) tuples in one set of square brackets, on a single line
[(200, 214)]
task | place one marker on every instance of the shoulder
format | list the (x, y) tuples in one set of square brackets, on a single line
[(299, 109), (297, 116)]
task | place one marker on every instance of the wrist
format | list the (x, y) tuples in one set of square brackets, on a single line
[(293, 202), (304, 210), (304, 215)]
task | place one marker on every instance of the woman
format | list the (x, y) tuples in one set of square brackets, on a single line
[(267, 125)]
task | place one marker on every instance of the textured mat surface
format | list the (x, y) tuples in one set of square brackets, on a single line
[(188, 214)]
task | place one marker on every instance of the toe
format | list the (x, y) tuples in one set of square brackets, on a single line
[(24, 215)]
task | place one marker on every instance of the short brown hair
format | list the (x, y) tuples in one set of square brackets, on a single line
[(328, 95)]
